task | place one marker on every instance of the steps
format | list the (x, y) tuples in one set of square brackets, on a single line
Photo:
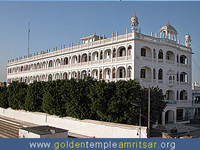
[(9, 129)]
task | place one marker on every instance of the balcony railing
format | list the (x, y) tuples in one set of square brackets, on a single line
[(146, 58), (182, 101), (183, 83), (170, 101), (170, 61), (145, 80)]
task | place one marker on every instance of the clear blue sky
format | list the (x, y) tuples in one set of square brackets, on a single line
[(57, 23)]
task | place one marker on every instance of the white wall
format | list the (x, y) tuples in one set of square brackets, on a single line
[(97, 129)]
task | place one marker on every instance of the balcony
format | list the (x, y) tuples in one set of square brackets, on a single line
[(170, 102), (160, 60), (183, 65), (145, 80), (146, 58), (84, 63), (170, 61), (183, 83), (107, 60), (182, 101), (171, 82), (121, 58)]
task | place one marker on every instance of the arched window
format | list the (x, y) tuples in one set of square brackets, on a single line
[(154, 73), (183, 77), (143, 73), (154, 53), (129, 71), (177, 95), (50, 63), (143, 52), (160, 74), (114, 53), (183, 95), (177, 58), (101, 55), (160, 54), (113, 73), (183, 59), (129, 50), (66, 62)]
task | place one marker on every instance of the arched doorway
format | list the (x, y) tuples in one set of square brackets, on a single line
[(169, 116)]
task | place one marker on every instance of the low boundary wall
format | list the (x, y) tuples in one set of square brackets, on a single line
[(92, 128)]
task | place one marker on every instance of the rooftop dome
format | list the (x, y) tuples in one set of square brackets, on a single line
[(187, 35), (134, 18), (168, 28)]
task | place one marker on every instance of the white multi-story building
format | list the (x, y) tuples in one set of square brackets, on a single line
[(152, 60), (196, 99)]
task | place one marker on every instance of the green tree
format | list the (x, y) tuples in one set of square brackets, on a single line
[(52, 97), (17, 93), (34, 97), (157, 105), (4, 97), (120, 108)]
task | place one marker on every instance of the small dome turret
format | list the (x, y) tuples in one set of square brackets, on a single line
[(168, 32), (134, 23), (187, 40)]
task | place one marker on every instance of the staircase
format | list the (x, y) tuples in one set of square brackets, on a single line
[(9, 129)]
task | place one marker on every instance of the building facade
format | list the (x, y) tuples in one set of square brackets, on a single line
[(196, 99), (151, 60)]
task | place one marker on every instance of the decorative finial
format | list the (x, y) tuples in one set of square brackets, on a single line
[(134, 14), (187, 32), (168, 22)]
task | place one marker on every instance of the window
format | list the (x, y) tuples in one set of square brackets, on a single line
[(154, 53), (160, 74), (143, 73), (177, 58), (114, 53), (160, 55), (170, 77), (143, 52), (167, 56), (154, 73)]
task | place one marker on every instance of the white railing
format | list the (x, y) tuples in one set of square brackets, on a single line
[(170, 61), (170, 101), (107, 60), (121, 58), (183, 65), (146, 58), (129, 57), (183, 83), (100, 42), (160, 60), (171, 82), (95, 62), (182, 101), (160, 81), (84, 63), (145, 80)]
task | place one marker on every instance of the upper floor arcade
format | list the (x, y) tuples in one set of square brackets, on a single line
[(160, 75), (93, 57), (163, 56)]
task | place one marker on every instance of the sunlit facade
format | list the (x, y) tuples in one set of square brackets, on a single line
[(152, 60)]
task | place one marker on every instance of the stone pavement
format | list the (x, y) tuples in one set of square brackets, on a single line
[(180, 128)]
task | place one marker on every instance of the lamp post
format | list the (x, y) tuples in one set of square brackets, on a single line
[(140, 115)]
